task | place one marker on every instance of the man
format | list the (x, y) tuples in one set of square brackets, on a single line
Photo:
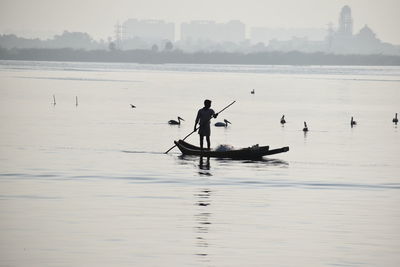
[(204, 116)]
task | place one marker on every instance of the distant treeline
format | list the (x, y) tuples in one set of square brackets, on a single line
[(177, 56), (74, 40)]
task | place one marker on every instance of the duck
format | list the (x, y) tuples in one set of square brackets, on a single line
[(283, 121), (174, 122), (133, 106), (252, 92), (222, 124), (353, 122), (305, 129), (395, 120)]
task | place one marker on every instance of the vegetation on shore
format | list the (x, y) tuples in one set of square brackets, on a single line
[(178, 56)]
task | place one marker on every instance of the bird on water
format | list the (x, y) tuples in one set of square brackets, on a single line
[(305, 129), (395, 120), (222, 124), (283, 121), (174, 122), (252, 92), (353, 122), (133, 106)]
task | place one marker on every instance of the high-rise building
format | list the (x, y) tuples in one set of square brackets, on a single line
[(148, 30), (211, 31)]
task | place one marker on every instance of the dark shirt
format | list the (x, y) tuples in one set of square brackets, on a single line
[(204, 116)]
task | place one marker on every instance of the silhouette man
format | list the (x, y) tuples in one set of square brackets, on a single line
[(203, 118)]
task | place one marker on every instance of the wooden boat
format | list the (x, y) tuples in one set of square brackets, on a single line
[(255, 152)]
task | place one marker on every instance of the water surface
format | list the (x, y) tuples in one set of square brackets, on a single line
[(90, 185)]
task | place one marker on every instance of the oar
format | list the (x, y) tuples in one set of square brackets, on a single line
[(198, 127)]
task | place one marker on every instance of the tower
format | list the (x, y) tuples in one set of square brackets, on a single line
[(118, 35), (345, 22), (330, 36)]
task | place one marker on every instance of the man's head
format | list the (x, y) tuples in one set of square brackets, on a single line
[(207, 103)]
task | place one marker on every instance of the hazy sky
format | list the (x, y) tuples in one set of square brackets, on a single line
[(98, 17)]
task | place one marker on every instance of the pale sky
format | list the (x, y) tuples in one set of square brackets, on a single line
[(44, 18)]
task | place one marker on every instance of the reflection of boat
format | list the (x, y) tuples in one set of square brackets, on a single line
[(255, 152)]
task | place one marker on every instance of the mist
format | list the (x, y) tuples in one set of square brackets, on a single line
[(44, 18)]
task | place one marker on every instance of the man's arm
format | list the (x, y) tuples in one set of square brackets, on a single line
[(215, 114), (197, 120)]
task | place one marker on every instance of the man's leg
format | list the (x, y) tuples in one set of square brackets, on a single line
[(208, 142), (201, 141)]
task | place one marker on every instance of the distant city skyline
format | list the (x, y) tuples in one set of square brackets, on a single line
[(45, 18), (230, 36)]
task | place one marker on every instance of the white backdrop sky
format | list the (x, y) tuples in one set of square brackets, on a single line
[(44, 18)]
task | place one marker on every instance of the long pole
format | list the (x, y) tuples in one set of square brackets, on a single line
[(198, 127)]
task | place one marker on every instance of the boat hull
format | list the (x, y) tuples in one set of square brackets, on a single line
[(244, 153)]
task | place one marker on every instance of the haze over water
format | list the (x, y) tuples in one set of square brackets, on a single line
[(90, 185)]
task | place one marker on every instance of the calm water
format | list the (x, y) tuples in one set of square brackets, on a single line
[(89, 185)]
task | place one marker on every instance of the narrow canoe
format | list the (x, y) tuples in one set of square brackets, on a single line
[(256, 152)]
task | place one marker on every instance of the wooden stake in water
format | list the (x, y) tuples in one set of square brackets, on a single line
[(76, 101), (54, 100)]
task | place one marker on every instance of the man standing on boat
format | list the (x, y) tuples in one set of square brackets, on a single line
[(204, 116)]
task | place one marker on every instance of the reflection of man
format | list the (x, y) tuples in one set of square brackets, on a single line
[(204, 166), (204, 116)]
